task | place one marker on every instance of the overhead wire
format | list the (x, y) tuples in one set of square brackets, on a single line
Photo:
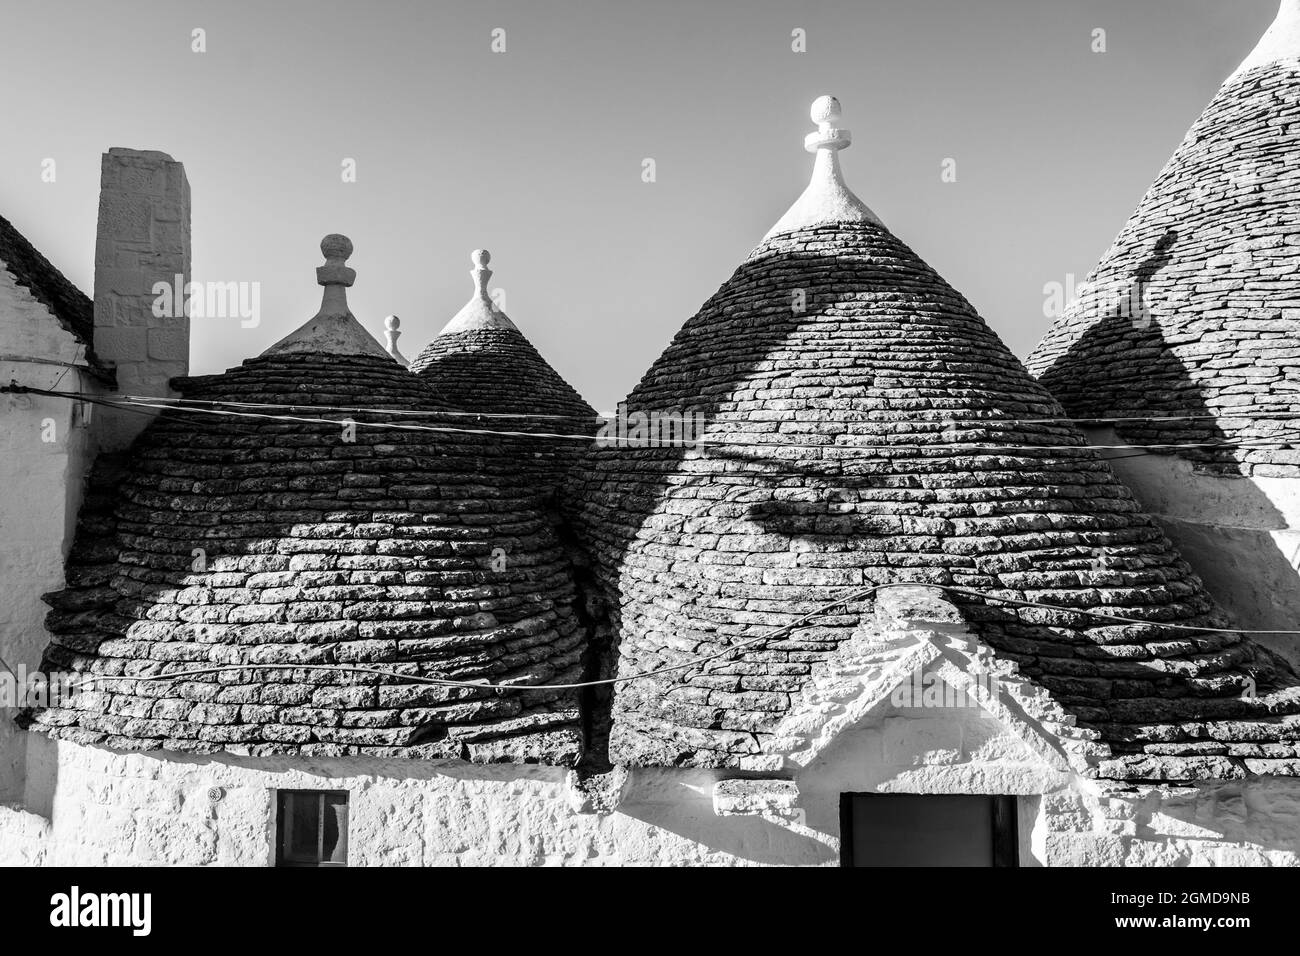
[(1282, 440), (1094, 419), (144, 404)]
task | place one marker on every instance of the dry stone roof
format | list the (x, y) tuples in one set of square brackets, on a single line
[(481, 362), (233, 540), (841, 376), (1194, 311), (68, 304)]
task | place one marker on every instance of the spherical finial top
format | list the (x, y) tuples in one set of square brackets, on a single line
[(825, 111), (336, 249), (335, 246), (830, 135), (480, 258), (392, 323)]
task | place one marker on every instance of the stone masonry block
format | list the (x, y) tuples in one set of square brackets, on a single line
[(171, 238), (740, 797), (126, 345), (128, 217), (110, 282), (168, 344)]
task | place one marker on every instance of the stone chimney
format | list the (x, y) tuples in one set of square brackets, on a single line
[(143, 239)]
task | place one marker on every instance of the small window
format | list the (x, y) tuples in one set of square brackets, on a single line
[(311, 828), (907, 829)]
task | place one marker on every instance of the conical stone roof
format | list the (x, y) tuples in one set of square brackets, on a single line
[(228, 540), (861, 413), (481, 362), (1194, 312)]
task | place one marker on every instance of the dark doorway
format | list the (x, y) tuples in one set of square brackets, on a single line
[(921, 829)]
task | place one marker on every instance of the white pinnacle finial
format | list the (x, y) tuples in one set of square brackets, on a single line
[(333, 330), (392, 327), (481, 273), (335, 275), (1280, 42), (480, 312), (827, 199)]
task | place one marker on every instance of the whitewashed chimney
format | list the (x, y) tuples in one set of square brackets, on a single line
[(142, 245)]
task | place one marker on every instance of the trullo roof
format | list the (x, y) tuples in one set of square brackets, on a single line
[(867, 427), (481, 362), (353, 564), (1193, 314)]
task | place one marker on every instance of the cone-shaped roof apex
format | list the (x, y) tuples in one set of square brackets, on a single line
[(334, 330), (1280, 42), (856, 422), (1187, 319), (480, 312), (481, 362), (827, 199)]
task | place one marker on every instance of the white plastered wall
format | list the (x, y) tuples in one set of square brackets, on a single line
[(98, 807), (44, 458)]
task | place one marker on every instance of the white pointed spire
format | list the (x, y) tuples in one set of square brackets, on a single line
[(826, 199), (334, 330), (479, 312), (1280, 42), (392, 327)]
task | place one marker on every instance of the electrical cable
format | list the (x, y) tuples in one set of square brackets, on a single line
[(1280, 440), (1229, 416)]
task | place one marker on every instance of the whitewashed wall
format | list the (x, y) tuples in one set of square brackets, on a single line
[(42, 484), (88, 806)]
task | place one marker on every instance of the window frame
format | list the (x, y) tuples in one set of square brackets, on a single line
[(285, 801), (1003, 823)]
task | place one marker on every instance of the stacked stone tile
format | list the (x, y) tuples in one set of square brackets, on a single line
[(1194, 312), (227, 540), (867, 427), (481, 362)]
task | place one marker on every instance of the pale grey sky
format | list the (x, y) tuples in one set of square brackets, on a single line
[(536, 153)]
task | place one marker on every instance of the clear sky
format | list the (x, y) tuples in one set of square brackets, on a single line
[(536, 153)]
